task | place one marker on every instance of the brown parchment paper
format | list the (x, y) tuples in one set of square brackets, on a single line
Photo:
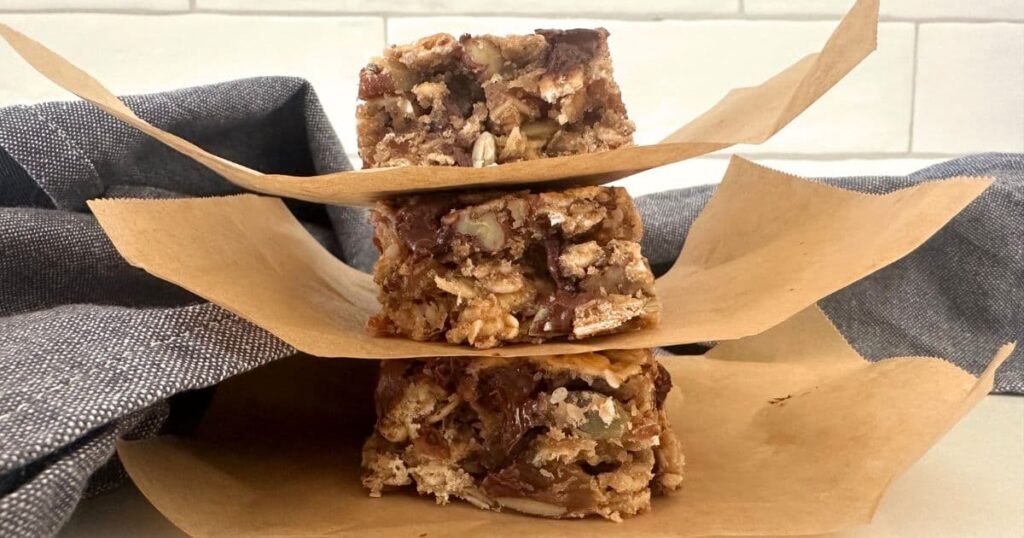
[(766, 246), (745, 115), (788, 432)]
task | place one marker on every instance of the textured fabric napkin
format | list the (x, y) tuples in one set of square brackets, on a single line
[(91, 349)]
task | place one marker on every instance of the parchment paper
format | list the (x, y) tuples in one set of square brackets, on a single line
[(766, 246), (789, 432), (745, 115)]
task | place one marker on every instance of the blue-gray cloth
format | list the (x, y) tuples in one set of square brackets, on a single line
[(91, 349)]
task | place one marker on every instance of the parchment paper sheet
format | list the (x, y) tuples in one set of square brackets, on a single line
[(745, 115), (788, 432), (766, 246)]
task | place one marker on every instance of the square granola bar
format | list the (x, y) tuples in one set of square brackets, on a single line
[(564, 436), (476, 101), (489, 268)]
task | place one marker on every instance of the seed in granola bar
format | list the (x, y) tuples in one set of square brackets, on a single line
[(484, 150)]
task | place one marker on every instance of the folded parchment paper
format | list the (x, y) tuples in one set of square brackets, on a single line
[(766, 246), (745, 115), (788, 432)]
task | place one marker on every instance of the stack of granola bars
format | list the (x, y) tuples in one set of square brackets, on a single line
[(563, 436)]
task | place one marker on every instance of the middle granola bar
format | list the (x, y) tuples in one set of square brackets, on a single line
[(492, 267)]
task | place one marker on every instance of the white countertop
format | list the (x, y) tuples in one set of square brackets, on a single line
[(970, 484)]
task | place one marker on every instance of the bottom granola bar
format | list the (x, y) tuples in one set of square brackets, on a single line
[(559, 436)]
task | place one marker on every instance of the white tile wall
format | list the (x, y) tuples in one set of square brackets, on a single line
[(947, 79), (970, 88), (90, 5), (704, 170), (1007, 10), (645, 8)]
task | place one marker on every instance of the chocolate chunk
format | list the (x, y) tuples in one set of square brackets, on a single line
[(460, 96), (419, 223), (662, 386), (461, 156), (509, 392), (553, 249), (569, 487), (561, 313), (570, 48), (391, 383), (373, 82)]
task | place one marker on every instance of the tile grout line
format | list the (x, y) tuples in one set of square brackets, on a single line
[(192, 5), (913, 88), (743, 7), (385, 19)]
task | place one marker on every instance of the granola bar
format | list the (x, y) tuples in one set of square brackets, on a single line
[(480, 100), (490, 268), (564, 436)]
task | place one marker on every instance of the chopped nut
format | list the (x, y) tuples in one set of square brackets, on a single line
[(555, 86), (484, 55), (517, 209), (402, 78), (572, 108), (515, 146), (485, 228), (484, 150), (558, 395)]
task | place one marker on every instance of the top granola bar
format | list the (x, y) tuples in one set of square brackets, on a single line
[(481, 100)]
